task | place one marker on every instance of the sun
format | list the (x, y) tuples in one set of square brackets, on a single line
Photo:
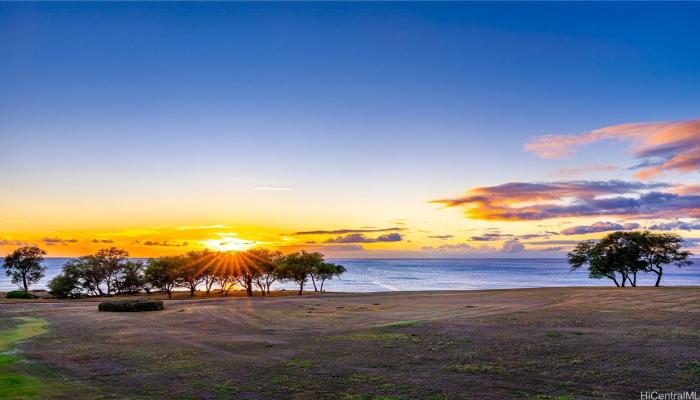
[(229, 243)]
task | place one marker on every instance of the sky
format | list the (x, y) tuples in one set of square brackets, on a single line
[(354, 129)]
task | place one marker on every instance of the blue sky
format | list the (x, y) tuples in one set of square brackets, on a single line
[(352, 105)]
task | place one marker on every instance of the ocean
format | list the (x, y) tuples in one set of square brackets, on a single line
[(379, 275)]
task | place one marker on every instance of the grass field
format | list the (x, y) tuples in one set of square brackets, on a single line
[(559, 343)]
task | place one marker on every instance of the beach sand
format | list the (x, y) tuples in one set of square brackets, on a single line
[(554, 343)]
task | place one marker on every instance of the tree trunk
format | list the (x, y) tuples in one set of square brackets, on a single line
[(313, 280), (658, 275), (261, 286), (170, 293), (614, 280), (322, 281), (24, 282), (301, 288), (192, 289), (634, 281)]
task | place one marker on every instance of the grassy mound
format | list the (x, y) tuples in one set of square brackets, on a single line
[(131, 306), (20, 294)]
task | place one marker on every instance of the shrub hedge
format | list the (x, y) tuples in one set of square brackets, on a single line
[(131, 305), (20, 294)]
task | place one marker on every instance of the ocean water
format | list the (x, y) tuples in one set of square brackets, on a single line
[(379, 275)]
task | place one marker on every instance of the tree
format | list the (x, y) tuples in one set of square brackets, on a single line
[(628, 253), (24, 265), (267, 264), (200, 269), (89, 272), (659, 249), (244, 271), (601, 264), (130, 278), (299, 266), (326, 271), (226, 280), (111, 261), (162, 273), (625, 251), (63, 286), (190, 271), (209, 277)]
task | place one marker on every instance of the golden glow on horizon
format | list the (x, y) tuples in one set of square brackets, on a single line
[(229, 243)]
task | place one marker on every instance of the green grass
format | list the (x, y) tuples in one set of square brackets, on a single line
[(226, 389), (14, 385), (279, 380), (695, 367), (298, 363), (29, 327)]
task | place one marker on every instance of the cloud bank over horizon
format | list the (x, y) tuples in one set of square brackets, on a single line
[(523, 201)]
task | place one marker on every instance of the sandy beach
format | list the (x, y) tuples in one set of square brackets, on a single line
[(555, 343)]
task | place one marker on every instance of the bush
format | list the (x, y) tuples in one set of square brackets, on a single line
[(63, 286), (20, 294), (131, 305)]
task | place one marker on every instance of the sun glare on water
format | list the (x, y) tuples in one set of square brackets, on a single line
[(228, 243)]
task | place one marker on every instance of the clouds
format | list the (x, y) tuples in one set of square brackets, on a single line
[(599, 227), (57, 241), (105, 241), (323, 248), (679, 225), (487, 237), (460, 247), (441, 237), (163, 243), (586, 169), (360, 238), (522, 201), (9, 242), (346, 231), (662, 146), (510, 246), (343, 247)]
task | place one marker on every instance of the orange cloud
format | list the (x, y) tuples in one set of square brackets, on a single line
[(665, 146)]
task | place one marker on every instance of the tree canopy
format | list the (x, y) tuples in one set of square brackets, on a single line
[(24, 267), (110, 271), (621, 256)]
